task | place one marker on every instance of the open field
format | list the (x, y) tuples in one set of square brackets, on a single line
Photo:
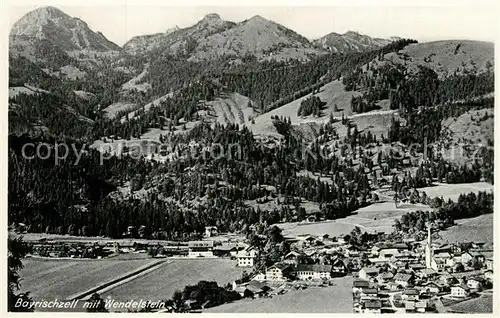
[(374, 218), (482, 304), (332, 299), (175, 275), (333, 94), (453, 191), (49, 279), (478, 229)]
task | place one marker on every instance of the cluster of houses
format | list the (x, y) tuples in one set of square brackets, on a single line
[(45, 248), (413, 277), (406, 277)]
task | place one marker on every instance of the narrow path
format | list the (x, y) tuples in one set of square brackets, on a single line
[(115, 282)]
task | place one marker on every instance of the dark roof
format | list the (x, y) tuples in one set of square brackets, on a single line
[(373, 304), (226, 247), (463, 286), (370, 270), (292, 253), (411, 292), (254, 289), (201, 244), (256, 284), (401, 246), (477, 278), (313, 268), (409, 305), (429, 271), (402, 277), (369, 290), (421, 304), (386, 275), (280, 266), (360, 283)]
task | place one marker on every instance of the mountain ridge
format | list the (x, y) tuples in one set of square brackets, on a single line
[(66, 32), (351, 41)]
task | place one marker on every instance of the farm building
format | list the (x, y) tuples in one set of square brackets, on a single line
[(403, 279), (211, 231), (372, 306), (200, 249), (308, 272), (460, 290), (291, 258), (358, 285), (278, 272), (246, 257), (368, 273)]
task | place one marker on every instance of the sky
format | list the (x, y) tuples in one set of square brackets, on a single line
[(119, 21)]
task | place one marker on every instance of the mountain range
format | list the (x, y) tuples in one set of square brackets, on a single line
[(47, 30)]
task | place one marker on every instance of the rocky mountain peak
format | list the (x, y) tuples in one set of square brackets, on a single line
[(212, 16), (58, 30)]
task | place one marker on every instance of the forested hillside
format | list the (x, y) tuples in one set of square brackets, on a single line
[(309, 134)]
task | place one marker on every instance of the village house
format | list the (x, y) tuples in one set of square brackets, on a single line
[(291, 258), (372, 306), (410, 307), (338, 268), (433, 287), (368, 293), (489, 263), (246, 257), (308, 272), (388, 253), (421, 306), (385, 277), (350, 251), (472, 256), (475, 283), (278, 272), (252, 289), (416, 266), (309, 241), (438, 264), (404, 279), (200, 249), (478, 245), (410, 294), (427, 273), (392, 286), (368, 273), (445, 257), (460, 291), (488, 274), (358, 285), (211, 231), (376, 249), (448, 279), (260, 277), (225, 250)]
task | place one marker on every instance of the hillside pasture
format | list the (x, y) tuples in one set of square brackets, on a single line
[(378, 217), (445, 57), (453, 191), (478, 229)]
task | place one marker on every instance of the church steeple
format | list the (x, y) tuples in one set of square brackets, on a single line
[(428, 248), (429, 239)]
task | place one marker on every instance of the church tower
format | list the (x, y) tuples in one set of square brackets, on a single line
[(428, 248)]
